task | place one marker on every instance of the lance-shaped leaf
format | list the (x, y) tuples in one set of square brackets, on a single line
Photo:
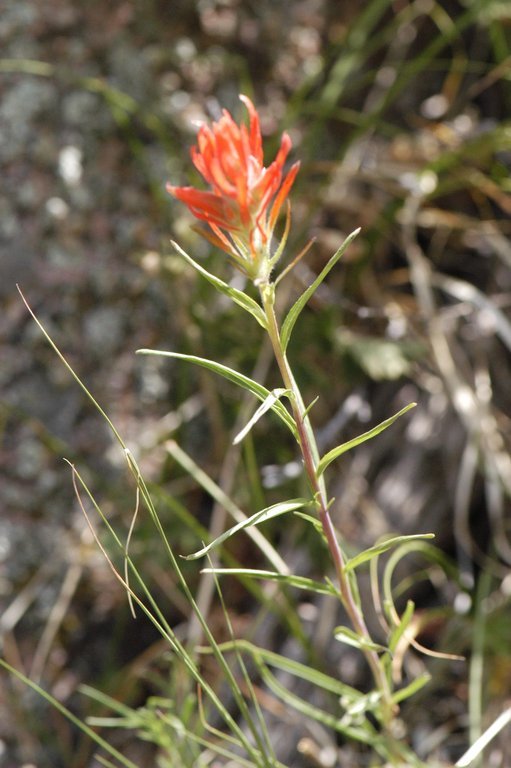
[(295, 668), (260, 517), (265, 406), (239, 297), (299, 582), (237, 378), (294, 312), (381, 547), (340, 449)]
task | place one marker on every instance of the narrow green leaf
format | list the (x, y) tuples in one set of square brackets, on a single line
[(105, 700), (264, 514), (384, 546), (300, 582), (221, 497), (231, 375), (267, 403), (411, 688), (239, 297), (309, 407), (295, 668), (349, 637), (294, 312), (401, 628), (426, 550), (313, 521), (340, 449)]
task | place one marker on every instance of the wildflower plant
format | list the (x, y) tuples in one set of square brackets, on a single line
[(241, 208), (196, 727)]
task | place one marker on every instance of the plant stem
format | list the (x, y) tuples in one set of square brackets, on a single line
[(310, 453)]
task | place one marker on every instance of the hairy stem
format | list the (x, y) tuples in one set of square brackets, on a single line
[(310, 454)]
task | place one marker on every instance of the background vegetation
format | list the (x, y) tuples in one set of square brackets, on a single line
[(399, 112)]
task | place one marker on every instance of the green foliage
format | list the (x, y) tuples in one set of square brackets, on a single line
[(260, 517), (340, 449), (239, 297), (240, 379), (295, 311)]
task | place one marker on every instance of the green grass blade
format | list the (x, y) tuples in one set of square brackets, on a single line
[(340, 449), (68, 715), (367, 31), (155, 615), (477, 672), (122, 710), (294, 312), (231, 375), (214, 745), (266, 741), (71, 370), (260, 517)]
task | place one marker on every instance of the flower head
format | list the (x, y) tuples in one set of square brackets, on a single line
[(245, 198)]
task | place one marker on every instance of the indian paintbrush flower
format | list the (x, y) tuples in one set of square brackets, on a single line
[(245, 197)]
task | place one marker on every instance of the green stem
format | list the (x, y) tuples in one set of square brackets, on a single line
[(310, 453)]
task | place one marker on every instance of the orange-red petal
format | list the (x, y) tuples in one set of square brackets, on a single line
[(239, 201)]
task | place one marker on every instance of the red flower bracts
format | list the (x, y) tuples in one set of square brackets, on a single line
[(245, 198)]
